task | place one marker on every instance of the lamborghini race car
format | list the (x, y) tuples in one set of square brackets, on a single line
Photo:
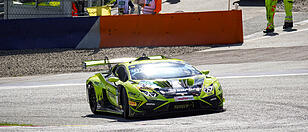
[(151, 85)]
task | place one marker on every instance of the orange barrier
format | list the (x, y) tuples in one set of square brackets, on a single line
[(174, 29)]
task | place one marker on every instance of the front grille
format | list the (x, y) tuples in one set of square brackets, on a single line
[(150, 108), (168, 96), (184, 105)]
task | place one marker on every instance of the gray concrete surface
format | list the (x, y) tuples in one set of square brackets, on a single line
[(264, 82), (259, 96), (280, 38)]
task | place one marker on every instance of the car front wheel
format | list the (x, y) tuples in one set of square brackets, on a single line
[(92, 98), (124, 101)]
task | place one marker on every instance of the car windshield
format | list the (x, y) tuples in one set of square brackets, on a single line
[(161, 70)]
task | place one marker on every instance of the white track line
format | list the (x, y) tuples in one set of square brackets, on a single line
[(265, 37), (42, 86), (257, 34), (82, 84), (273, 75)]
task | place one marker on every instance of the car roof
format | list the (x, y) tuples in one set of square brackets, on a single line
[(150, 61)]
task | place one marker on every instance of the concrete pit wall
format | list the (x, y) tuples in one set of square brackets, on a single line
[(175, 29)]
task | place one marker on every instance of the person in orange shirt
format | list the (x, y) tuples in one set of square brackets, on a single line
[(151, 6)]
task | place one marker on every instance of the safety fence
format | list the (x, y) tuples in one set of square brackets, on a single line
[(21, 9)]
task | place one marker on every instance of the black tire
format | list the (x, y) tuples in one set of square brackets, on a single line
[(92, 98), (124, 101)]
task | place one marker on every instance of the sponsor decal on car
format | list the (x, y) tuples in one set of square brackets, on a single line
[(133, 94), (149, 103), (184, 98), (131, 103), (183, 106)]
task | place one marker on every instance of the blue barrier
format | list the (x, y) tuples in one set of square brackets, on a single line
[(42, 33)]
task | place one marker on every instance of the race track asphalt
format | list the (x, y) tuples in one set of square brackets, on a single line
[(257, 98)]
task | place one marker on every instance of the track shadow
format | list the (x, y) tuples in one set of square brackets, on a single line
[(172, 1), (250, 2), (114, 117), (119, 118), (38, 51), (30, 51), (226, 45), (290, 30), (271, 34), (95, 51)]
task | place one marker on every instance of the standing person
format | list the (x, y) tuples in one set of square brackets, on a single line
[(151, 6), (132, 7), (123, 6), (270, 13)]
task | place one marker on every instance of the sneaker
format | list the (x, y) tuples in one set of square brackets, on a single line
[(267, 30), (287, 25)]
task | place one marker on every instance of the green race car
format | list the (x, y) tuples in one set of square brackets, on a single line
[(151, 85)]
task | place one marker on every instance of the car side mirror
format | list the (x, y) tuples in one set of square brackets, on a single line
[(205, 72), (113, 79)]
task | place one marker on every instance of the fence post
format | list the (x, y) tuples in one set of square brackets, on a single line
[(139, 8), (228, 5), (6, 9)]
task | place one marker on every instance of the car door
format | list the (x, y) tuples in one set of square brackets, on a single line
[(112, 91)]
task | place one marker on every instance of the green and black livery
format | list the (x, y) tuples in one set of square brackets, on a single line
[(150, 85)]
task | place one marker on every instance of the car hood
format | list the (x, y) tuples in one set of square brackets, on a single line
[(174, 87)]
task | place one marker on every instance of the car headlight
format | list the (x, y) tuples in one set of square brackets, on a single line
[(208, 89), (148, 93)]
